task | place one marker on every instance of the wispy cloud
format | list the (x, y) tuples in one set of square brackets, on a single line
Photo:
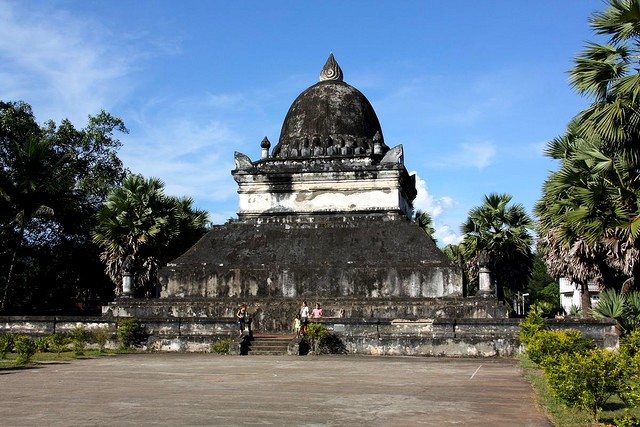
[(445, 235), (68, 71), (477, 155)]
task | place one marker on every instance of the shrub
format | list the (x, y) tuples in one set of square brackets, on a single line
[(42, 344), (100, 336), (546, 346), (221, 346), (6, 345), (58, 342), (321, 341), (587, 380), (531, 325), (25, 347), (630, 343), (79, 337), (627, 420), (130, 333)]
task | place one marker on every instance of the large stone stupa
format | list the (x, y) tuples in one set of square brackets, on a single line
[(323, 216)]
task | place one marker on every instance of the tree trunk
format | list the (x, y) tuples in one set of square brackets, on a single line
[(585, 300), (14, 257)]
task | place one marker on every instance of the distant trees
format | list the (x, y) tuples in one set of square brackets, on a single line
[(499, 235), (590, 208), (140, 223), (52, 180)]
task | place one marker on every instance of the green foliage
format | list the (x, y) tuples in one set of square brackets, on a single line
[(58, 342), (625, 308), (145, 228), (53, 178), (101, 336), (221, 346), (545, 347), (531, 325), (587, 380), (42, 344), (627, 420), (25, 347), (322, 341), (589, 213), (424, 221), (131, 333), (630, 343), (79, 337), (499, 236), (6, 345)]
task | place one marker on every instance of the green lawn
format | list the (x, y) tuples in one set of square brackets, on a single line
[(563, 416)]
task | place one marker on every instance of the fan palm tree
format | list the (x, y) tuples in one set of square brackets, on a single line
[(424, 221), (140, 223), (589, 212), (499, 235)]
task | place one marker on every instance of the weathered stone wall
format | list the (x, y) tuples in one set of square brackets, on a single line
[(420, 337), (277, 314)]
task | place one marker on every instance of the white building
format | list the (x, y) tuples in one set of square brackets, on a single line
[(570, 295)]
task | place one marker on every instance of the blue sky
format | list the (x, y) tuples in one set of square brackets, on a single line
[(473, 89)]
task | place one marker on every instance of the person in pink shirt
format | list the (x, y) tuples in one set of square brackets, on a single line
[(317, 312)]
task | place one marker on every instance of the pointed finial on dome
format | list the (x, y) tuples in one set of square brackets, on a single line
[(331, 70)]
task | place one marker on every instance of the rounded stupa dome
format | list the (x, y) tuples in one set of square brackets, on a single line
[(329, 113)]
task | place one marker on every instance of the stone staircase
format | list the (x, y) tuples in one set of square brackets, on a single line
[(263, 344)]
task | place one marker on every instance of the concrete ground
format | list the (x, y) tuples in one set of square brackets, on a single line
[(203, 389)]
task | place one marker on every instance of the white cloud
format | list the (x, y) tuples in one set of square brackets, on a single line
[(477, 155), (426, 202), (446, 236)]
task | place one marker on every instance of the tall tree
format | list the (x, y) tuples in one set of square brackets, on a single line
[(52, 180), (141, 224), (499, 235), (590, 208)]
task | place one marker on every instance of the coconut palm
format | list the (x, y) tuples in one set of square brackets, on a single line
[(499, 235), (141, 224)]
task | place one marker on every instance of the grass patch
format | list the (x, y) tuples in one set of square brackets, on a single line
[(563, 416)]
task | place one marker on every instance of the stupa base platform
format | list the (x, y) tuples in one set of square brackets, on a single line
[(277, 314)]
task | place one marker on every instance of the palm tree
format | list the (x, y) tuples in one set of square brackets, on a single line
[(589, 212), (140, 223), (499, 235), (424, 221)]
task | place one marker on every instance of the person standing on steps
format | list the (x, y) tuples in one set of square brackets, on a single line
[(304, 317), (243, 317), (317, 312)]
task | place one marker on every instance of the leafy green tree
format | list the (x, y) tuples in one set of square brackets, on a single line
[(589, 213), (543, 290), (140, 223), (52, 179), (499, 235)]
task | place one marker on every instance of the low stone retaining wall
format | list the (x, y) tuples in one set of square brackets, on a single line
[(419, 337)]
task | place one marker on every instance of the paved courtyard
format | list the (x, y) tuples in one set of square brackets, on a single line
[(203, 389)]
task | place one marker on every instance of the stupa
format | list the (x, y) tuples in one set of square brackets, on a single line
[(324, 216)]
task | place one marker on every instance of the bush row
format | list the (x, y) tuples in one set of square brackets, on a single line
[(579, 374), (129, 333)]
